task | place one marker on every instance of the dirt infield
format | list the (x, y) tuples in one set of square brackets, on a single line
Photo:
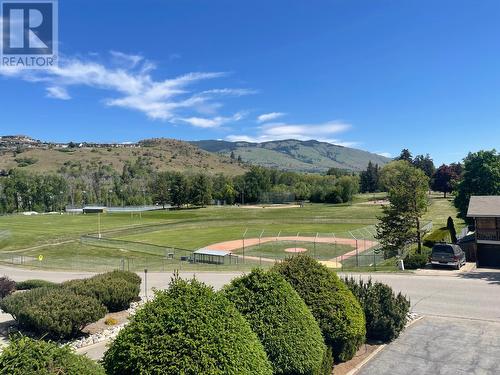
[(358, 245), (272, 206), (362, 245)]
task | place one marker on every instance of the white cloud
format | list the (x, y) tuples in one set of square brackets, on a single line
[(124, 58), (213, 122), (56, 92), (130, 85), (386, 154), (278, 131), (269, 116), (231, 92)]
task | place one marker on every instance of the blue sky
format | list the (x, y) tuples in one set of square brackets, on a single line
[(377, 75)]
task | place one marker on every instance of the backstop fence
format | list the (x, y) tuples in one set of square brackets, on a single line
[(352, 250)]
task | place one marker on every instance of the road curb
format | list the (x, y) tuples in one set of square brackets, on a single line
[(379, 349), (366, 360)]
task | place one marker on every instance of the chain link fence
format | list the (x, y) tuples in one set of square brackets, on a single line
[(349, 250)]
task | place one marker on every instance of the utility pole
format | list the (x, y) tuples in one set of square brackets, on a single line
[(99, 225), (146, 283), (244, 234)]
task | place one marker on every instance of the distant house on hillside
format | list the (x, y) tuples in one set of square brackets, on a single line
[(485, 210)]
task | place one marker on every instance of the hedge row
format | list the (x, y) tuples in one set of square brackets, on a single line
[(57, 312), (61, 311), (335, 308), (25, 356), (280, 318), (188, 329), (261, 323), (33, 284), (386, 313), (415, 261), (266, 322), (115, 290)]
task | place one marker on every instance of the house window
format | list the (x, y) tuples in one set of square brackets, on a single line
[(487, 223)]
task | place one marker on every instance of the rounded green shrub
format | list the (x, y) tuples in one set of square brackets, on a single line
[(280, 318), (112, 289), (33, 284), (335, 308), (416, 261), (131, 277), (18, 302), (25, 356), (187, 329), (55, 312), (386, 313), (327, 362)]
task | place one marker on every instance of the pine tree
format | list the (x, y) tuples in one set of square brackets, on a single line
[(405, 155), (451, 228), (369, 179), (407, 193), (395, 230)]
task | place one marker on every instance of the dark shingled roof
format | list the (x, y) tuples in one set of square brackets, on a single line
[(484, 206)]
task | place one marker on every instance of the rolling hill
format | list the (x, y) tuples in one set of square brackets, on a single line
[(161, 154), (294, 155), (197, 156)]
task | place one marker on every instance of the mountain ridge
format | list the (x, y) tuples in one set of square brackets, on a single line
[(295, 155), (213, 156)]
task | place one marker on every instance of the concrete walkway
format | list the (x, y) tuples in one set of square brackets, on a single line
[(444, 346)]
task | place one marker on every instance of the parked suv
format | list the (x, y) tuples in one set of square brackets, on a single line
[(446, 254)]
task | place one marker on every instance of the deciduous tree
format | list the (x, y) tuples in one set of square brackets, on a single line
[(481, 176), (407, 193)]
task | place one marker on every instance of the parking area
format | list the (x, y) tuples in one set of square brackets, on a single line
[(444, 346), (437, 270)]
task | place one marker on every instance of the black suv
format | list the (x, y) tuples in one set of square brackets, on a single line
[(446, 254)]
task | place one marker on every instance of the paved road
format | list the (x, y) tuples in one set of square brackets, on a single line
[(466, 295), (158, 280), (471, 295), (444, 346), (460, 332)]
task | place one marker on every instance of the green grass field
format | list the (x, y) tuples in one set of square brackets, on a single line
[(57, 237), (276, 249)]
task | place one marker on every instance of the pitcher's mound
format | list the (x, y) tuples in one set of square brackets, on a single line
[(295, 250)]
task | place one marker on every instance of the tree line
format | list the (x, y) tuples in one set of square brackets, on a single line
[(443, 179), (139, 184)]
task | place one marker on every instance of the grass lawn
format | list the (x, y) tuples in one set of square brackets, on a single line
[(57, 237), (78, 256), (276, 249), (189, 229), (439, 211)]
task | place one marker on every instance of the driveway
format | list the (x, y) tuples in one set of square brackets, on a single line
[(441, 346), (460, 331)]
